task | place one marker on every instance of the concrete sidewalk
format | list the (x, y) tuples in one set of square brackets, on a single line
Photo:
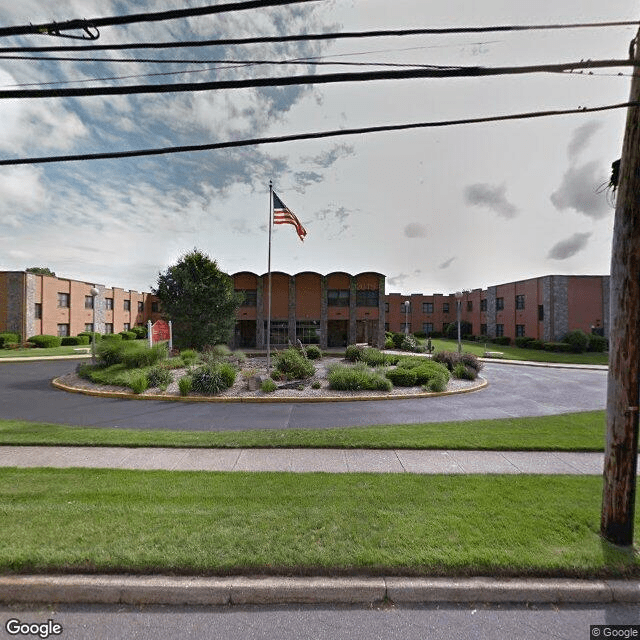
[(307, 460)]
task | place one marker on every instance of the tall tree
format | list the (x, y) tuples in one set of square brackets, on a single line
[(42, 271), (200, 301)]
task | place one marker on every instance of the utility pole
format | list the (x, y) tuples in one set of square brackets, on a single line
[(621, 452)]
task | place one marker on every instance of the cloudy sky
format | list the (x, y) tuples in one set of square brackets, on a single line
[(436, 210)]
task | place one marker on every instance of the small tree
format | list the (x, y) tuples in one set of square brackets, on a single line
[(200, 301), (41, 271)]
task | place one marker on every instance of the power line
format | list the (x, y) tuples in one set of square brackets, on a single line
[(367, 76), (309, 136), (54, 28), (317, 36)]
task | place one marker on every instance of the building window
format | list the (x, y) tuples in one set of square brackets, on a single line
[(127, 305), (38, 311), (366, 298), (499, 304), (338, 297), (483, 304), (483, 329), (88, 302), (445, 307), (63, 300), (155, 307), (108, 327), (108, 304), (519, 331), (386, 307), (249, 297), (279, 331), (308, 331), (540, 312), (127, 326), (427, 327), (88, 327), (427, 307), (63, 330), (499, 330), (140, 306), (519, 302), (469, 305)]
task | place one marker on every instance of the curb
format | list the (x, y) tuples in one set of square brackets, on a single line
[(547, 365), (287, 399), (242, 590)]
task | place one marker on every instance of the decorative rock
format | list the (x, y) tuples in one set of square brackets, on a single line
[(254, 382)]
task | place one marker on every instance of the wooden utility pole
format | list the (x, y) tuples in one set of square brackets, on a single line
[(621, 453)]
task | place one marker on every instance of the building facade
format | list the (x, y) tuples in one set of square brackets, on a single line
[(543, 308), (33, 304), (330, 310)]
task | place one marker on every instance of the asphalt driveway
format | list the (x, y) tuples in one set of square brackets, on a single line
[(513, 391)]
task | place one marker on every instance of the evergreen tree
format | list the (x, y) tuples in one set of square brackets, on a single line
[(200, 301)]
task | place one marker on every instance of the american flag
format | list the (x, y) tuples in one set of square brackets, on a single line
[(282, 215)]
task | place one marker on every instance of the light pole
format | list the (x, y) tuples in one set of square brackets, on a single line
[(407, 304), (94, 292), (459, 304)]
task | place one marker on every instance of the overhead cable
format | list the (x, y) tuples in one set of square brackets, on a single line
[(305, 37), (365, 76), (55, 28), (309, 136)]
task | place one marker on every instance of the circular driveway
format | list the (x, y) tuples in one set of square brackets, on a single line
[(513, 391)]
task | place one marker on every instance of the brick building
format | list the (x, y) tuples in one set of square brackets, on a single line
[(33, 304), (543, 308), (330, 310)]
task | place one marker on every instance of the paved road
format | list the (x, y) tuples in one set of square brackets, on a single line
[(513, 391)]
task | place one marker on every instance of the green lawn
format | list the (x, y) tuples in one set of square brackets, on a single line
[(566, 432), (86, 520), (44, 353), (516, 353)]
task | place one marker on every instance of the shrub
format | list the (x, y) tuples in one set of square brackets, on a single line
[(388, 343), (158, 376), (452, 329), (401, 377), (462, 372), (356, 378), (189, 356), (316, 384), (409, 343), (598, 343), (375, 357), (45, 341), (139, 383), (397, 339), (578, 340), (523, 342), (437, 384), (128, 335), (502, 340), (185, 385), (8, 337), (558, 347), (15, 345), (353, 353), (447, 358), (69, 341), (429, 370), (89, 335), (293, 365), (116, 337), (141, 332), (208, 379), (137, 355), (472, 361), (313, 352), (536, 344), (109, 352), (228, 373), (268, 385)]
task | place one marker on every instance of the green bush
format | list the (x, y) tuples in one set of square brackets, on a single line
[(313, 352), (137, 355), (293, 365), (268, 386), (536, 344), (116, 337), (189, 356), (388, 343), (110, 352), (185, 384), (141, 332), (523, 342), (502, 340), (71, 341), (462, 372), (429, 370), (45, 341), (128, 335), (207, 379), (316, 384), (397, 340), (558, 347), (158, 376), (451, 331), (598, 343), (437, 384), (139, 383), (375, 357), (409, 343), (356, 378), (89, 335), (353, 353), (228, 373), (578, 340), (401, 377), (8, 337), (472, 361)]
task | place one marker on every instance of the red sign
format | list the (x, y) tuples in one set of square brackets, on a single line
[(160, 331)]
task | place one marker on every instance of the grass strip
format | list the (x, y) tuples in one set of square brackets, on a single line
[(517, 353), (87, 520), (566, 432)]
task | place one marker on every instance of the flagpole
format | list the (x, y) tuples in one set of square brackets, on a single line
[(269, 285)]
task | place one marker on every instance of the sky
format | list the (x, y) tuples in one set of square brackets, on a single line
[(435, 210)]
